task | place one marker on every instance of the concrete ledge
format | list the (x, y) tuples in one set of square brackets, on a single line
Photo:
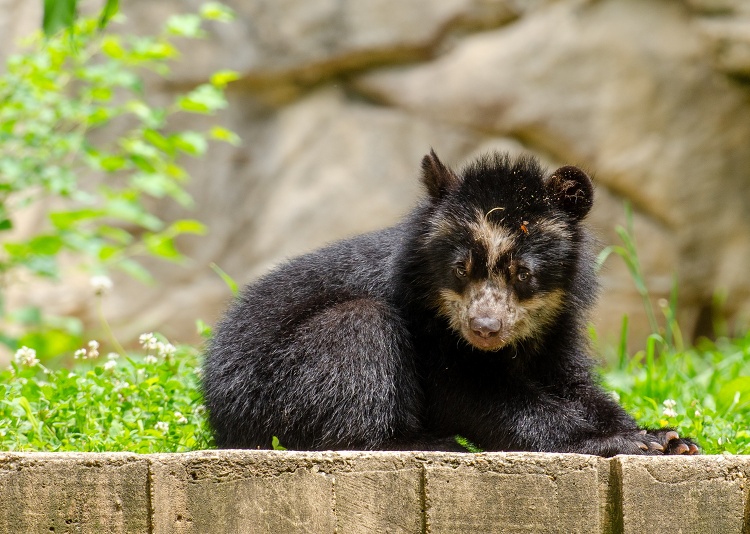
[(74, 492), (270, 491)]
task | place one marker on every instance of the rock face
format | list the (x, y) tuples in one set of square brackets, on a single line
[(339, 100)]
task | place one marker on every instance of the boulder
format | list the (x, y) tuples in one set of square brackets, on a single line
[(338, 101)]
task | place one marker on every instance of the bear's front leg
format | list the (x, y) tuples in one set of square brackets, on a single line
[(582, 420), (649, 442), (668, 441), (615, 431)]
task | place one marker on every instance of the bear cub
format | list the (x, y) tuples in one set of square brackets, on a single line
[(468, 318)]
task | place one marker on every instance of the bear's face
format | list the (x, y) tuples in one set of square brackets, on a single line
[(500, 284), (501, 247)]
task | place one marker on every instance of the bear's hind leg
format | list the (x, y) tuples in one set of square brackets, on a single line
[(349, 381)]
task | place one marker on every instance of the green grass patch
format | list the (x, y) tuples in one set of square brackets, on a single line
[(145, 404), (703, 391), (151, 402)]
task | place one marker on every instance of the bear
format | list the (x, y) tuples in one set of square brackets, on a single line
[(468, 318)]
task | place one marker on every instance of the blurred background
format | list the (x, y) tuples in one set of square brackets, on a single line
[(338, 100)]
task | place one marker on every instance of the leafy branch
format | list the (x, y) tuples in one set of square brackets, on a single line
[(79, 133)]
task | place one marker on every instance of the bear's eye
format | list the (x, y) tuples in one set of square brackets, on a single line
[(523, 275), (460, 271)]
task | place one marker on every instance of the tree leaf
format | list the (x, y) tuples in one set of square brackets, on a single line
[(162, 246), (109, 10), (187, 226), (185, 25), (192, 143), (216, 11), (205, 98), (58, 14), (223, 134), (223, 77)]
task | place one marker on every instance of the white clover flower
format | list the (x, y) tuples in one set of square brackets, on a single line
[(119, 385), (162, 426), (165, 350), (26, 356), (148, 341), (109, 365), (112, 356), (669, 412), (181, 419), (200, 409), (101, 284), (697, 413), (150, 358), (615, 396), (140, 372), (93, 351), (88, 353), (670, 403)]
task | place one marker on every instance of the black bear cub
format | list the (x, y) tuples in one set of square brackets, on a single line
[(468, 318)]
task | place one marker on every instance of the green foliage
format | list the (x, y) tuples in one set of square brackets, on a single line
[(141, 404), (61, 14), (78, 132), (58, 14), (153, 404), (704, 391), (466, 444)]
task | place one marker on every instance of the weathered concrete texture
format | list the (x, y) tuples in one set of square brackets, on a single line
[(513, 493), (683, 495), (270, 491), (218, 492), (240, 492), (73, 492), (380, 492)]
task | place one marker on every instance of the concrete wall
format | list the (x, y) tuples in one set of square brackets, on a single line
[(284, 492)]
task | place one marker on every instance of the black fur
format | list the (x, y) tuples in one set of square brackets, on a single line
[(467, 318)]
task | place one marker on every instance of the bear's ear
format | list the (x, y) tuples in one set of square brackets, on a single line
[(438, 178), (571, 190)]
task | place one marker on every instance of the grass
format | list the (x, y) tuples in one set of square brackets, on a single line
[(151, 403), (144, 404), (703, 391)]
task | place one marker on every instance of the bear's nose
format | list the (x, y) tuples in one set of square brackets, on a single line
[(485, 326)]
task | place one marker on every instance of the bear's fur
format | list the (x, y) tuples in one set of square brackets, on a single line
[(468, 318)]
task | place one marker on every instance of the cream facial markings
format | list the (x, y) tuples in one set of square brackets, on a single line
[(496, 239), (536, 313)]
